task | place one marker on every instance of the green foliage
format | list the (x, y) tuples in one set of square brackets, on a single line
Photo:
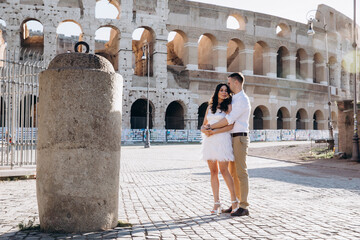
[(123, 224), (29, 226), (319, 153)]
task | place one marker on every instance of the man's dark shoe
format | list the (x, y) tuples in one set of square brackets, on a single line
[(240, 212), (227, 210)]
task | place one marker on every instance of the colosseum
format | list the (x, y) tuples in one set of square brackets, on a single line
[(184, 49)]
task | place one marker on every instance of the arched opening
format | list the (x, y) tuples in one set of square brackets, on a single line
[(282, 67), (332, 70), (201, 114), (107, 44), (234, 47), (174, 116), (283, 116), (107, 9), (32, 38), (261, 118), (283, 30), (301, 119), (28, 111), (206, 58), (67, 34), (301, 64), (2, 112), (143, 49), (260, 49), (138, 114), (318, 68), (318, 120), (236, 22), (2, 41), (175, 48)]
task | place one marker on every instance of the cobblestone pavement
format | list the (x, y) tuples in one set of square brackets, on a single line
[(165, 193)]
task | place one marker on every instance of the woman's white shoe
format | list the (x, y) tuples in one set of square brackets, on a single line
[(216, 211)]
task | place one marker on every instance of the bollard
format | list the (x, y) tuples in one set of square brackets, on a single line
[(79, 140)]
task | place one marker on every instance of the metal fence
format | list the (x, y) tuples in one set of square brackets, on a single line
[(19, 83)]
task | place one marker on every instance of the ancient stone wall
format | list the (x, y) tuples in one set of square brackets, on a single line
[(285, 69)]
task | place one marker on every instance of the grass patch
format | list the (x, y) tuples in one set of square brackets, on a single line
[(29, 226), (319, 153), (123, 224)]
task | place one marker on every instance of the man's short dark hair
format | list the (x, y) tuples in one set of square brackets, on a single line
[(238, 77)]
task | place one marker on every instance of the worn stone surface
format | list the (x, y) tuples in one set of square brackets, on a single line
[(253, 49), (77, 174), (165, 193)]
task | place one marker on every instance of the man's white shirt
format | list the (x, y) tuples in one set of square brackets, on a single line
[(240, 112)]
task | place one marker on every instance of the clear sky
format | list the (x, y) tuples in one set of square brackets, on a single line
[(289, 9)]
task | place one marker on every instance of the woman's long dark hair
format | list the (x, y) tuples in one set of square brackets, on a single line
[(214, 101)]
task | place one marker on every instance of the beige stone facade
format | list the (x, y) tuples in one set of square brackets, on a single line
[(285, 69)]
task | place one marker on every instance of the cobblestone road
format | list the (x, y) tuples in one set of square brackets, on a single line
[(165, 193)]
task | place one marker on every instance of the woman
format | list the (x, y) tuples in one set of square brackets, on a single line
[(217, 145)]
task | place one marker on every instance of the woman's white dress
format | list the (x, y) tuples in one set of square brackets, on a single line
[(218, 146)]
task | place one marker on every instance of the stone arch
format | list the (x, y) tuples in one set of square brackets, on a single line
[(301, 119), (283, 118), (260, 48), (283, 30), (2, 41), (65, 39), (174, 116), (138, 114), (319, 75), (143, 39), (235, 21), (261, 118), (2, 112), (334, 120), (332, 70), (107, 9), (175, 48), (301, 64), (201, 113), (283, 68), (107, 44), (233, 56), (207, 60), (28, 111), (318, 120), (32, 38)]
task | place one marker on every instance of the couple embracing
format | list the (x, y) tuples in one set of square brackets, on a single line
[(225, 143)]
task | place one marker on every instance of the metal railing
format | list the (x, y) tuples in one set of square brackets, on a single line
[(19, 83)]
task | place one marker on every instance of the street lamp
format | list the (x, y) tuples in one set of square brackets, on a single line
[(355, 149), (311, 19), (146, 56)]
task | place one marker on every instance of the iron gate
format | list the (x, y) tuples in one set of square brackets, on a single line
[(19, 83)]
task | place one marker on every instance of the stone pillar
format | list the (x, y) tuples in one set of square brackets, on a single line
[(78, 163), (269, 64), (287, 123), (246, 61), (306, 69), (125, 69), (289, 67), (191, 54), (50, 43), (220, 52), (90, 39), (321, 73), (159, 63)]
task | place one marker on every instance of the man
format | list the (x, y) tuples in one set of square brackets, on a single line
[(239, 115)]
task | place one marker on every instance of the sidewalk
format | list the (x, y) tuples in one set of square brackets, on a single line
[(165, 193)]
